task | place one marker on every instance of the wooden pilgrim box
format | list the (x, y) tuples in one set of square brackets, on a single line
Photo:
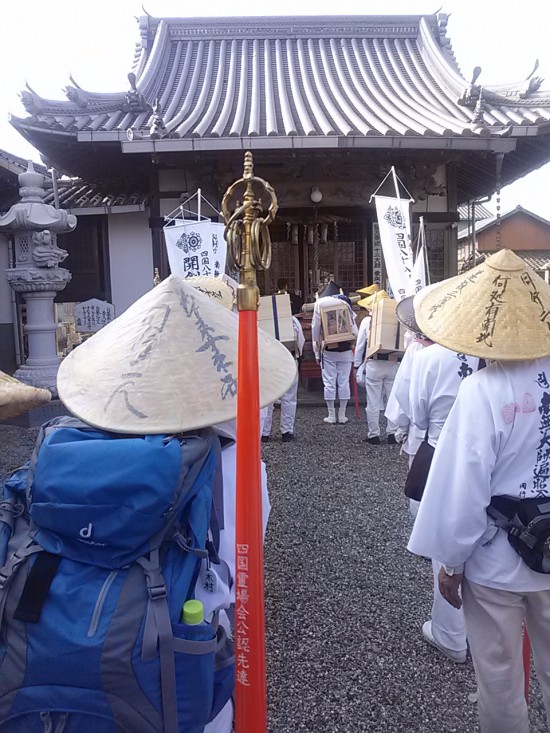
[(275, 317), (336, 323), (386, 333)]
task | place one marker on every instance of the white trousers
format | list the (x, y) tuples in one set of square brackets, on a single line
[(288, 411), (379, 376), (448, 626), (335, 372), (494, 624)]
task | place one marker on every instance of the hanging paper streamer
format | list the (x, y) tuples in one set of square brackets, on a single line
[(195, 248)]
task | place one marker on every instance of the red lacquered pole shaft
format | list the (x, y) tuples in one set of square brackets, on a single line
[(250, 685)]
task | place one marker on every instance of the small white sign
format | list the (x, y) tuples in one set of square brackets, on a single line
[(91, 315)]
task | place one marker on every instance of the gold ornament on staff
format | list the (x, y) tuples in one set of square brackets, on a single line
[(247, 232)]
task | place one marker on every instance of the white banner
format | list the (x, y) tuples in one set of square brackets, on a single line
[(419, 274), (395, 235), (195, 248)]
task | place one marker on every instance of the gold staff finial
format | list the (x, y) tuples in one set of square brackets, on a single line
[(247, 232)]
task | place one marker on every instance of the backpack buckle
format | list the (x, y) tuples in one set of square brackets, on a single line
[(157, 591)]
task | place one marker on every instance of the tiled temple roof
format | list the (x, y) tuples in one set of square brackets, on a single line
[(282, 77)]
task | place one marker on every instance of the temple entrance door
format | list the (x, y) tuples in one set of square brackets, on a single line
[(285, 259), (335, 250), (311, 253)]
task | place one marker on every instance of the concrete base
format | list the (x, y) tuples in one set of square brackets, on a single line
[(35, 418)]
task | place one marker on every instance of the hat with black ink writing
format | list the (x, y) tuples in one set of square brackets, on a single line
[(168, 364), (498, 310)]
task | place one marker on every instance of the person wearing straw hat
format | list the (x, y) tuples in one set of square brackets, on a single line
[(435, 378), (398, 407), (377, 373), (336, 361), (168, 365), (494, 444)]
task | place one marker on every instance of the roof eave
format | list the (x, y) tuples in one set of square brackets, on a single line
[(296, 142)]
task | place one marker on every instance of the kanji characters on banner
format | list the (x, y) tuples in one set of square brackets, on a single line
[(195, 248), (395, 235)]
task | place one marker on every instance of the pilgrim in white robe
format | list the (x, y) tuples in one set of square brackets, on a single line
[(378, 376), (335, 364), (289, 400), (436, 375), (495, 441), (398, 410)]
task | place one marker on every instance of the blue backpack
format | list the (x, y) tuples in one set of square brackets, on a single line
[(102, 537)]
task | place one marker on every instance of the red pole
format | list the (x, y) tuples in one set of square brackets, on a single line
[(250, 682), (526, 662)]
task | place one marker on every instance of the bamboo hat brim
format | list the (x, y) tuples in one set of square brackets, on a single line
[(17, 397), (404, 312), (369, 289), (168, 364), (498, 310), (372, 299)]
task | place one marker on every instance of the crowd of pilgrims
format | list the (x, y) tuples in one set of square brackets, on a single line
[(469, 403)]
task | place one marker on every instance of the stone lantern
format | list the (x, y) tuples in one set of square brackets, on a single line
[(34, 226)]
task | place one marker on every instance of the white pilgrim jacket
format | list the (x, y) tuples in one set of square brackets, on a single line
[(496, 441), (398, 409), (436, 375)]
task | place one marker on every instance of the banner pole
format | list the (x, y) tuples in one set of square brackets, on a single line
[(249, 248), (198, 204)]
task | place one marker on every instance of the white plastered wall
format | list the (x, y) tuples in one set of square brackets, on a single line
[(130, 257)]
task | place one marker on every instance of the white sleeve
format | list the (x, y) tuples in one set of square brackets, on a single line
[(298, 335), (361, 343), (316, 333), (452, 517), (420, 388)]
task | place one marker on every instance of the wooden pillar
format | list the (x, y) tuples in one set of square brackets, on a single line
[(156, 223), (451, 238)]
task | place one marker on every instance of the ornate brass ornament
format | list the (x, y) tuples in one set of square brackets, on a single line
[(247, 230)]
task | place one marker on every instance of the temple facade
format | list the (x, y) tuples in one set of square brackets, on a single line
[(327, 105)]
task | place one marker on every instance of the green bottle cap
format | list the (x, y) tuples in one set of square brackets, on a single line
[(193, 612)]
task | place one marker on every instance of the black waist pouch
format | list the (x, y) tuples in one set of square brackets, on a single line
[(418, 472), (527, 522)]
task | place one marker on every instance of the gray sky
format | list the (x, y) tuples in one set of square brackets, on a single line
[(94, 41)]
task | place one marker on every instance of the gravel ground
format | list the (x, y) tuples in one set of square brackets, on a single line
[(345, 601)]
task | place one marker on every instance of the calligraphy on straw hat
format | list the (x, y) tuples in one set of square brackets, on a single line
[(498, 310), (167, 364)]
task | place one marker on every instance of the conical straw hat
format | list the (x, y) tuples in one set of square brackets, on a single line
[(17, 397), (167, 365), (404, 312), (214, 287), (498, 310), (369, 289), (372, 299)]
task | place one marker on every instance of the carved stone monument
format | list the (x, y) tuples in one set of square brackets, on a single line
[(34, 226)]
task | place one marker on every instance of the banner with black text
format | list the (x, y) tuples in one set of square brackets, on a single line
[(195, 248), (395, 236)]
